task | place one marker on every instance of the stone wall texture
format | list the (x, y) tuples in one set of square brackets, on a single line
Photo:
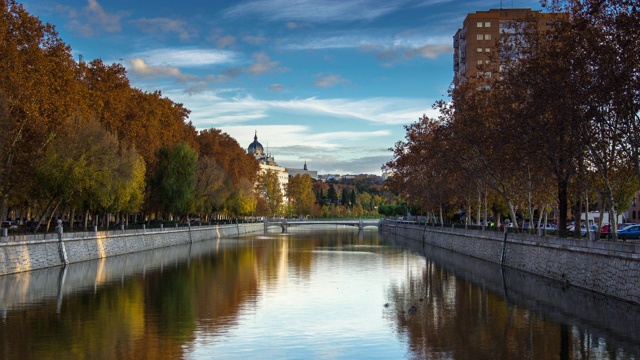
[(608, 268), (31, 252)]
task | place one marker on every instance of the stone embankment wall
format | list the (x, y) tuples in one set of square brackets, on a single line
[(608, 268), (30, 252)]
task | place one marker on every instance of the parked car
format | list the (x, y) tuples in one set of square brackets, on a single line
[(629, 232), (592, 229), (625, 225), (11, 225)]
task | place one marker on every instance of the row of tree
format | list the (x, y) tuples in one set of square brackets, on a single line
[(558, 129), (303, 197), (77, 138)]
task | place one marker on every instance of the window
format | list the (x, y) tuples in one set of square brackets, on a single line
[(487, 49), (487, 24), (479, 50), (487, 36), (479, 24), (479, 37), (487, 62), (487, 74), (479, 62)]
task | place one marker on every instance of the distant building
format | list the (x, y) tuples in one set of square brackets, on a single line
[(293, 172), (475, 54), (632, 214), (267, 162)]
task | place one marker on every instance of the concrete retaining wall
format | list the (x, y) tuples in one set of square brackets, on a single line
[(608, 268), (30, 252)]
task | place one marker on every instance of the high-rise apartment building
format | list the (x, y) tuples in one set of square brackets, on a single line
[(475, 52)]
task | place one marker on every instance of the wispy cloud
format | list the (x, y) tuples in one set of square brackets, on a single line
[(428, 51), (92, 19), (222, 111), (251, 39), (323, 151), (404, 45), (262, 63), (141, 68), (327, 81), (160, 27), (226, 41), (277, 87), (283, 136), (314, 11), (187, 57)]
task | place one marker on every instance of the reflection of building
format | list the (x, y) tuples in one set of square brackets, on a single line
[(294, 172), (267, 162)]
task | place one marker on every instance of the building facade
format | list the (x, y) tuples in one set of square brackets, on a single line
[(475, 45), (267, 162), (312, 173)]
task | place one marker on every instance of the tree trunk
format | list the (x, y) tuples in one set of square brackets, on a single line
[(563, 208), (479, 207), (512, 211), (72, 219)]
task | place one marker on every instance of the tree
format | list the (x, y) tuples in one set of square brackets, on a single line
[(39, 92), (175, 178), (300, 194), (344, 198), (332, 195), (224, 170), (86, 167), (270, 189)]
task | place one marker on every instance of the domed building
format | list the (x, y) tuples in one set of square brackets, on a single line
[(267, 162), (257, 150)]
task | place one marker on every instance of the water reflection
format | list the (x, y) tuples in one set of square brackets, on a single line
[(306, 294), (457, 297)]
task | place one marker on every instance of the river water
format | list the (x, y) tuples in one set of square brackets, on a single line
[(308, 294)]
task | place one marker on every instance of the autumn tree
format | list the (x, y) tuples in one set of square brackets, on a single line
[(577, 79), (87, 169), (270, 189), (300, 194), (226, 164), (39, 92)]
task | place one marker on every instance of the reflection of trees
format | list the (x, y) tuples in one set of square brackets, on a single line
[(157, 315), (463, 321)]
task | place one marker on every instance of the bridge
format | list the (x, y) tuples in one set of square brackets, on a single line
[(285, 224)]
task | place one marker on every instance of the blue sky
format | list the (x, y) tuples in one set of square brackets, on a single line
[(327, 82)]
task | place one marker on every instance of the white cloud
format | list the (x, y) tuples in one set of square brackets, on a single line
[(141, 68), (290, 135), (313, 11), (186, 57), (109, 22), (221, 111), (401, 46)]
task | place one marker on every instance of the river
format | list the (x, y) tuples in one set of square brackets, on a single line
[(307, 294)]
